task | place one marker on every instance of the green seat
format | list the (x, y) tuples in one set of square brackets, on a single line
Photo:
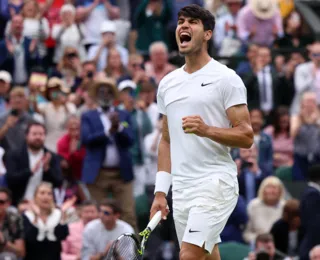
[(284, 173), (233, 251)]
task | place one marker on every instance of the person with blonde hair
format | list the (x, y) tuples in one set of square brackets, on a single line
[(266, 209)]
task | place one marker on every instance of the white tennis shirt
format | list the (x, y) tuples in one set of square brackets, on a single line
[(208, 92)]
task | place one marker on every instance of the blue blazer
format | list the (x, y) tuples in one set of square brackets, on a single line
[(96, 141), (310, 221)]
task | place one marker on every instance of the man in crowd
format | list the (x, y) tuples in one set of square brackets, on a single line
[(71, 247), (5, 81), (36, 164), (11, 232), (106, 133), (315, 253), (100, 233)]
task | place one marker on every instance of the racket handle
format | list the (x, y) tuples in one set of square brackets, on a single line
[(154, 221)]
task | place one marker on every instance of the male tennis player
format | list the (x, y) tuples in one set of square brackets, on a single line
[(205, 113)]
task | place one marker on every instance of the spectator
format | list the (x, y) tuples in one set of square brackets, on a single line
[(107, 135), (100, 233), (141, 126), (286, 231), (158, 66), (68, 33), (99, 51), (45, 225), (263, 143), (115, 68), (36, 87), (5, 81), (14, 122), (11, 243), (259, 22), (307, 77), (246, 67), (88, 75), (69, 147), (310, 213), (266, 209), (36, 164), (18, 53), (306, 136), (71, 247), (152, 17), (315, 253), (282, 142), (56, 111)]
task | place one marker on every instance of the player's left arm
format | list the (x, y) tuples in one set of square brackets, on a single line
[(240, 135)]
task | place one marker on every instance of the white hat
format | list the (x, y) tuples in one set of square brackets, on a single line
[(263, 9), (68, 8), (108, 26), (127, 84), (5, 76)]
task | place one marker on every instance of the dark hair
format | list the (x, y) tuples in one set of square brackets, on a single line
[(198, 12), (280, 112), (291, 210), (89, 203), (91, 62), (314, 173), (266, 237), (34, 123), (257, 110), (111, 204), (6, 191)]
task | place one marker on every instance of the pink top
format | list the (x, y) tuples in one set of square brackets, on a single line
[(282, 148), (71, 247)]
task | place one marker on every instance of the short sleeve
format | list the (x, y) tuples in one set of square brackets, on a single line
[(233, 91), (160, 101)]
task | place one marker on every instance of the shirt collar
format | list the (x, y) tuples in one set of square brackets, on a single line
[(100, 110), (314, 185)]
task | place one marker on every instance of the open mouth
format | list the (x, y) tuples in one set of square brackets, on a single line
[(185, 38)]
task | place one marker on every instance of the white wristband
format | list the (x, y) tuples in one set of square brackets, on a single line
[(163, 182)]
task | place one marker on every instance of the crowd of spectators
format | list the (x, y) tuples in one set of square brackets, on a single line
[(79, 125)]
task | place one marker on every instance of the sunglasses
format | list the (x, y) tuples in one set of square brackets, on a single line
[(106, 213), (3, 202)]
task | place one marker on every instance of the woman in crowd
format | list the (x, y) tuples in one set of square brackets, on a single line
[(306, 135), (45, 225), (266, 209), (56, 111), (115, 68), (68, 33), (282, 142)]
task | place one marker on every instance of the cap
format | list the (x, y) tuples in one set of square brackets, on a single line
[(127, 84), (5, 76), (108, 26)]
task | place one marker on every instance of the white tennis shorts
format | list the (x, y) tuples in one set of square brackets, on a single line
[(201, 212)]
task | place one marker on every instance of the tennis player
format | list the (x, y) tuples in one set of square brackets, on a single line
[(205, 113)]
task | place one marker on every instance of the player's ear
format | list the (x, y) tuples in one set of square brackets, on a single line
[(207, 35)]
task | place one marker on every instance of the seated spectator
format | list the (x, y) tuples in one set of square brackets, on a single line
[(14, 122), (282, 142), (265, 249), (259, 22), (286, 231), (246, 67), (68, 33), (12, 245), (71, 247), (99, 234), (236, 223), (266, 209), (315, 253), (310, 212), (115, 68), (106, 133), (307, 77), (99, 53), (45, 225), (305, 133), (56, 111), (5, 81), (18, 53), (36, 164), (263, 142), (159, 65)]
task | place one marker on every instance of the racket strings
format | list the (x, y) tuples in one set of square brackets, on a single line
[(125, 248)]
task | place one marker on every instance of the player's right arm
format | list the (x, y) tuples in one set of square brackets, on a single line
[(164, 169)]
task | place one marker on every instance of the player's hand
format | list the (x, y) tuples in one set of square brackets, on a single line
[(159, 203), (194, 125)]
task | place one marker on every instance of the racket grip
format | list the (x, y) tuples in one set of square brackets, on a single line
[(154, 221)]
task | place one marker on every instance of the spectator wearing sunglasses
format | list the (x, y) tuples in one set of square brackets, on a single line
[(307, 77), (100, 233)]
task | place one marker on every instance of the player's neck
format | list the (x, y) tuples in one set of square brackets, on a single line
[(196, 61)]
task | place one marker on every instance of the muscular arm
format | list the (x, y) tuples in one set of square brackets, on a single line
[(164, 161)]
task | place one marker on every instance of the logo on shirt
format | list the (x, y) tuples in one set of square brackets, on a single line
[(206, 84), (193, 231)]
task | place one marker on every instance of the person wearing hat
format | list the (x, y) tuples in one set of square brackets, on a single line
[(5, 81), (260, 22), (106, 133), (99, 52), (141, 126)]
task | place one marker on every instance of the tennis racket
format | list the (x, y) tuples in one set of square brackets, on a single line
[(127, 246)]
